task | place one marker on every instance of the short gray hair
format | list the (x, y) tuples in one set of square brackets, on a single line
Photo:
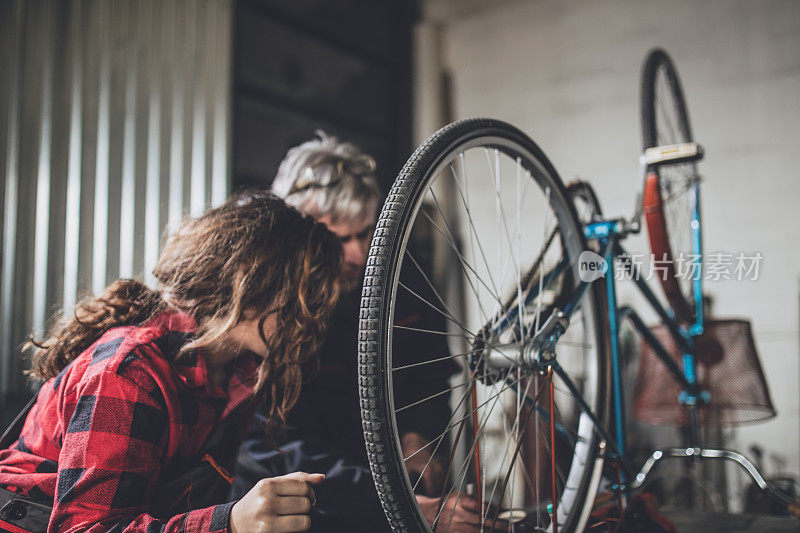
[(324, 177)]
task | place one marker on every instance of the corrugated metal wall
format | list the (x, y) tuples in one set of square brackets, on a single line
[(114, 121)]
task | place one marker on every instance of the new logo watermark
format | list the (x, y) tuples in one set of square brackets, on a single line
[(714, 266), (591, 266)]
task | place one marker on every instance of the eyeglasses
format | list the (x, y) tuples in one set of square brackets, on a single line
[(360, 168)]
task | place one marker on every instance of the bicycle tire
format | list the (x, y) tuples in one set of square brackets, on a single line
[(587, 205), (667, 213), (379, 289)]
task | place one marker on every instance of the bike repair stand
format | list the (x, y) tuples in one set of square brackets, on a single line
[(609, 233), (691, 396)]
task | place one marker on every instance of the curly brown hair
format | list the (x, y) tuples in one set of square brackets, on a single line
[(253, 253)]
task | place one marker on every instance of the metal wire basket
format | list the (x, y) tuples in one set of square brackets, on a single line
[(727, 366)]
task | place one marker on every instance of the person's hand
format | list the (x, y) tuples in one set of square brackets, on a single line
[(460, 514), (421, 464), (276, 505)]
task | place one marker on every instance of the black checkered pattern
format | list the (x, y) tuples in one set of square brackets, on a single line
[(113, 426)]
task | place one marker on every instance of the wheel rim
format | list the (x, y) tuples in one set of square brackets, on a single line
[(505, 470)]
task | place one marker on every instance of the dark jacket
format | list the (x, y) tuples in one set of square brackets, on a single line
[(324, 428)]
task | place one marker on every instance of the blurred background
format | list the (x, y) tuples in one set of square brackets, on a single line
[(118, 117)]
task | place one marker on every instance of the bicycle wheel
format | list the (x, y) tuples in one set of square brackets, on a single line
[(503, 241), (587, 206), (671, 191)]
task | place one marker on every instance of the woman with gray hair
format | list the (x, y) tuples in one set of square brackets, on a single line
[(335, 183), (325, 177)]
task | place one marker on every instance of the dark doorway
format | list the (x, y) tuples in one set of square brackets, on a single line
[(341, 66)]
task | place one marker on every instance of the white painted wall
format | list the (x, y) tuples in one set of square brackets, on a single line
[(567, 73)]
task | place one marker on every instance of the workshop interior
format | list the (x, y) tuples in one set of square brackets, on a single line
[(539, 271)]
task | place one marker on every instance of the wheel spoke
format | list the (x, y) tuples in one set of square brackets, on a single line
[(440, 438), (428, 398), (451, 240), (516, 429), (514, 456), (436, 360), (501, 214), (423, 330), (448, 316), (464, 468), (473, 234), (541, 272), (463, 263), (452, 425), (430, 283)]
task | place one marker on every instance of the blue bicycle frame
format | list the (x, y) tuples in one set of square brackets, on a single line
[(609, 234)]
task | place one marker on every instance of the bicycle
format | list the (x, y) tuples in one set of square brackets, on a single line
[(531, 316)]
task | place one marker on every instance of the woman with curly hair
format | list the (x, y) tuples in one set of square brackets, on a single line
[(148, 392)]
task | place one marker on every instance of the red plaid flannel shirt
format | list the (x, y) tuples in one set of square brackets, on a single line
[(120, 419)]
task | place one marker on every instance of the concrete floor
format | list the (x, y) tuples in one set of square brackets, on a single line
[(692, 522)]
